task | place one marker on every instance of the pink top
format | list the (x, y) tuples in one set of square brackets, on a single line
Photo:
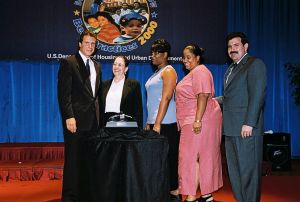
[(199, 80)]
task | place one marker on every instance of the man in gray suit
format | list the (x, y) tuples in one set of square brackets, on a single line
[(243, 118)]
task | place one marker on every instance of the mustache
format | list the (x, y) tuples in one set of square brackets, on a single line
[(233, 52)]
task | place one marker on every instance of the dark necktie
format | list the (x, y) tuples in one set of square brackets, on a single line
[(87, 65), (230, 71)]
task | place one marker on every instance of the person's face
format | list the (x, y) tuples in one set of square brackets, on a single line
[(143, 12), (136, 5), (102, 7), (133, 28), (102, 20), (119, 68), (124, 6), (158, 58), (93, 22), (189, 59), (87, 46), (235, 49)]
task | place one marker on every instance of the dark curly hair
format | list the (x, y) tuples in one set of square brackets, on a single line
[(161, 46), (241, 35)]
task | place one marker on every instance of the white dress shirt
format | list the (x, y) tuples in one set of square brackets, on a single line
[(114, 96)]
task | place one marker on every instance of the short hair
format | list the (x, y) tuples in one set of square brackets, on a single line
[(196, 50), (241, 35), (161, 46), (86, 33), (86, 18), (126, 61)]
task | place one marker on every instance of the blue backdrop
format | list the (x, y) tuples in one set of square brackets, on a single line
[(28, 102), (29, 106)]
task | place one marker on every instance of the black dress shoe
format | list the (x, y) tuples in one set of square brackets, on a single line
[(175, 197), (204, 199)]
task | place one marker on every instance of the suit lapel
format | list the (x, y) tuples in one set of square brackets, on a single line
[(226, 75), (84, 74), (124, 92), (106, 86), (237, 69), (97, 68)]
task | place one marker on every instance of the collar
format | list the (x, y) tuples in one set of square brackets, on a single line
[(84, 58), (241, 59)]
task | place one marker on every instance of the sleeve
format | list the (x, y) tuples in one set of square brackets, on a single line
[(64, 89), (139, 105), (201, 81), (100, 97), (256, 91)]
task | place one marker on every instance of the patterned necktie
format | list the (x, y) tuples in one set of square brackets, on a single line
[(87, 65), (230, 71)]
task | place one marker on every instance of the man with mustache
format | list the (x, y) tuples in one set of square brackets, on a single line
[(243, 118)]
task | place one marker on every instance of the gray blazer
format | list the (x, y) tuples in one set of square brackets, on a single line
[(243, 97)]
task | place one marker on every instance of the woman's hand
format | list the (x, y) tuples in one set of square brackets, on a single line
[(197, 126), (156, 128)]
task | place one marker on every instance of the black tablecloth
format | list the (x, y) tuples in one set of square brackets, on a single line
[(129, 166)]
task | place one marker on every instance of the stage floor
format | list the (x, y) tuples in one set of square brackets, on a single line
[(274, 189)]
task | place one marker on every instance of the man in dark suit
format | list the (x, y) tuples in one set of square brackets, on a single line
[(79, 87), (243, 118)]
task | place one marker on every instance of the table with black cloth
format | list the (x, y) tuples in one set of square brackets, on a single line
[(128, 166)]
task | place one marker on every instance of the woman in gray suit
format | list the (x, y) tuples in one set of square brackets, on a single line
[(122, 95)]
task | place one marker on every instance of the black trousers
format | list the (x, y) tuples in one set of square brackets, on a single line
[(171, 132), (76, 174)]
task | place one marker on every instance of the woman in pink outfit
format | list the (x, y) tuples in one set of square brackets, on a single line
[(199, 119)]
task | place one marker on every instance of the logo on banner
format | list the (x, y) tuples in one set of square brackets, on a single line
[(120, 25)]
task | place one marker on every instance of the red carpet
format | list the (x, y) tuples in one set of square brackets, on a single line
[(38, 177), (275, 189)]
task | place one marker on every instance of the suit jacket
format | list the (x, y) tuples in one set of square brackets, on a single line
[(244, 96), (75, 94), (131, 101)]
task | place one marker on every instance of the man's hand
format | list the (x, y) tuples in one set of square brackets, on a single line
[(246, 131), (71, 125)]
